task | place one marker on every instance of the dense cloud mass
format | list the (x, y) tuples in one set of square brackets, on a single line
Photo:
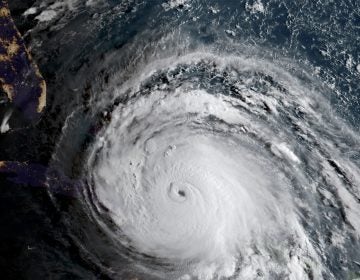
[(224, 165)]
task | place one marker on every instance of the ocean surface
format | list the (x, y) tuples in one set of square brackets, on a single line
[(187, 139)]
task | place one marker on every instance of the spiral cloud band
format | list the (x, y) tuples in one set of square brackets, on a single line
[(226, 166)]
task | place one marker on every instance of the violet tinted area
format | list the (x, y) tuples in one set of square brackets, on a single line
[(20, 78)]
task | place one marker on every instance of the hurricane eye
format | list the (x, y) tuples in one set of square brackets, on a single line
[(181, 193)]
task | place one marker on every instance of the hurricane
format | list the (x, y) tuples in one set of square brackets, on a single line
[(212, 164)]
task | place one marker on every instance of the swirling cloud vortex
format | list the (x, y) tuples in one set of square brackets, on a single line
[(222, 166)]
